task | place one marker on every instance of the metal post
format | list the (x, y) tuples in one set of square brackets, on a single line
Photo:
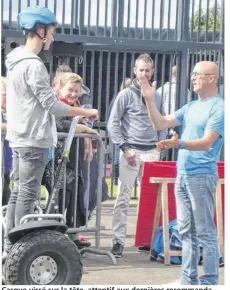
[(137, 17), (108, 82), (222, 22), (162, 7), (182, 78), (207, 21), (106, 17), (97, 17), (192, 20), (199, 20), (186, 10), (100, 81), (63, 17), (113, 18), (10, 13), (179, 19), (121, 9), (81, 16), (183, 20), (153, 18), (75, 16), (92, 74), (145, 16), (72, 17), (214, 28), (169, 18)]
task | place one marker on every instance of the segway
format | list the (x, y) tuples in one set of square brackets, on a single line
[(42, 253)]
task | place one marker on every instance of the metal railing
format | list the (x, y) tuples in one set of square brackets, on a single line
[(162, 20), (80, 197)]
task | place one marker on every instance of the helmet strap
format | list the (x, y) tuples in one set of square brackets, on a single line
[(34, 30), (44, 38)]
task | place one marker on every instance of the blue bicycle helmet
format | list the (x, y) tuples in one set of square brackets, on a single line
[(31, 16)]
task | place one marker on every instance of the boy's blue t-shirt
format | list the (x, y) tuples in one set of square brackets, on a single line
[(196, 117)]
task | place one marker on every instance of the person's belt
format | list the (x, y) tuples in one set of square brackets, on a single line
[(124, 147)]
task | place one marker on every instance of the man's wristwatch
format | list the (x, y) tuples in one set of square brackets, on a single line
[(181, 144)]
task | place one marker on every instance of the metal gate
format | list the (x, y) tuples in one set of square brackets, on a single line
[(100, 40)]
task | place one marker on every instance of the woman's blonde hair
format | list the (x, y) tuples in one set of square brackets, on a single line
[(69, 77), (3, 85)]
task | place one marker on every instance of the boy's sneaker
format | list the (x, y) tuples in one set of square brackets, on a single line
[(82, 244), (144, 249), (117, 250)]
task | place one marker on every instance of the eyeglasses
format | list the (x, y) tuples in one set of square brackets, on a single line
[(198, 75)]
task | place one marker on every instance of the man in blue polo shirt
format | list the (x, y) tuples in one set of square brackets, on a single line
[(200, 145)]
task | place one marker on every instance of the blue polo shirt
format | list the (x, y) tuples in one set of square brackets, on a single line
[(196, 117)]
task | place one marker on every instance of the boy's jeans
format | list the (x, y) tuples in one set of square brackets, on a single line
[(195, 208), (28, 168)]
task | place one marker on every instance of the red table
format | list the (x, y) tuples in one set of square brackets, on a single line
[(148, 197)]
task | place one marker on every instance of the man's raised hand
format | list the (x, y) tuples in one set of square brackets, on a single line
[(147, 90)]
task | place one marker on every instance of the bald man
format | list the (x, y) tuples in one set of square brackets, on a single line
[(200, 145)]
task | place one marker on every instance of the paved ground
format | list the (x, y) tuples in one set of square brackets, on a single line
[(134, 268)]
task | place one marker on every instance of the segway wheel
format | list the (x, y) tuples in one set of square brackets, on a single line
[(44, 257)]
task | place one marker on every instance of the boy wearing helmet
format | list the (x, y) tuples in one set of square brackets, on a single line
[(31, 104)]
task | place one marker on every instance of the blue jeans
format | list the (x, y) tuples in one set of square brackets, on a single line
[(28, 168), (195, 209)]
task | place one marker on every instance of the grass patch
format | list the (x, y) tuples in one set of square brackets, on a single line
[(114, 188), (43, 192)]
